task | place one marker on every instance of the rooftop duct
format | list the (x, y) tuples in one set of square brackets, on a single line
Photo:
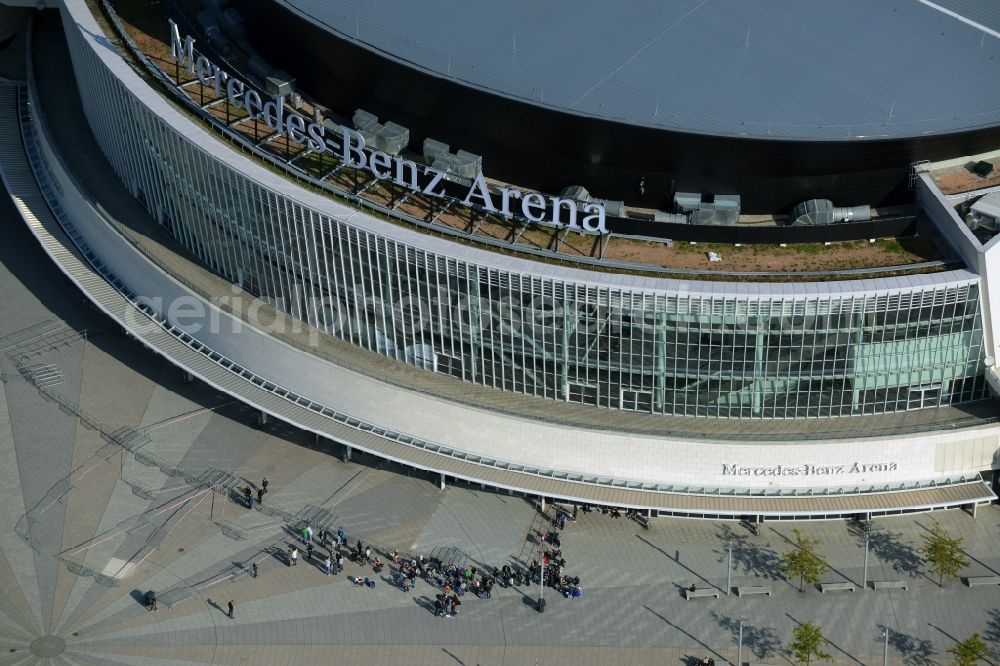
[(822, 211)]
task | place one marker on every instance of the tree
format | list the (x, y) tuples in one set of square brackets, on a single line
[(970, 651), (808, 643), (803, 561), (943, 553)]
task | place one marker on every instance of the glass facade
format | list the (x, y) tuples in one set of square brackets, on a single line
[(773, 351)]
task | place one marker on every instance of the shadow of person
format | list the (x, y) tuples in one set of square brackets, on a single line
[(425, 603), (211, 602), (139, 596)]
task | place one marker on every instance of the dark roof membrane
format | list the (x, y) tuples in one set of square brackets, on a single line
[(779, 68)]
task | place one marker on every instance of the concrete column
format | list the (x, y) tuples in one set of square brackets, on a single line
[(346, 457), (442, 481), (542, 503), (187, 378), (261, 418)]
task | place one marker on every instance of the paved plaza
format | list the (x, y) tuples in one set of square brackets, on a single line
[(116, 478)]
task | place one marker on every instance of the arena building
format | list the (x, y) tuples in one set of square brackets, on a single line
[(286, 215)]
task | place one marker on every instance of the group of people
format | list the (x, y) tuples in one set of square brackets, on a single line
[(333, 560), (261, 491), (453, 580)]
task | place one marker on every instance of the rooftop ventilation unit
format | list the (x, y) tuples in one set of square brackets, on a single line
[(363, 120), (822, 211), (686, 202), (467, 164), (434, 149), (392, 138), (580, 194), (722, 209), (575, 192), (985, 213), (462, 164), (279, 83)]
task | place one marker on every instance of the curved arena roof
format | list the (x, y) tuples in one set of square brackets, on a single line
[(836, 69)]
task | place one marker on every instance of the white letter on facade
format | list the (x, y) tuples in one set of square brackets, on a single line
[(596, 213), (251, 100), (557, 205), (316, 132), (234, 90), (533, 200), (401, 166), (276, 107), (380, 160), (507, 193), (294, 127), (182, 51), (478, 189), (354, 144)]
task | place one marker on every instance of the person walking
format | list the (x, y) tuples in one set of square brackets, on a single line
[(327, 563), (263, 484), (293, 556), (254, 569), (260, 495), (309, 551), (340, 562), (249, 497), (231, 607)]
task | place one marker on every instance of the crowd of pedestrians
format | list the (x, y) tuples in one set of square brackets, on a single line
[(327, 551)]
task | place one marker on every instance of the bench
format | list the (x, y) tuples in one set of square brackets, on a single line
[(752, 589), (889, 584), (701, 592), (834, 587), (975, 581)]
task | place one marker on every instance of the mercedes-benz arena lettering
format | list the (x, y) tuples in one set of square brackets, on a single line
[(861, 393), (535, 207)]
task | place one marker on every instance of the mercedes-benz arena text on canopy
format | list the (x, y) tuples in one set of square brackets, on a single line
[(670, 395)]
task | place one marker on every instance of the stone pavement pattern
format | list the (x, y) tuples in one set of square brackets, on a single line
[(87, 525)]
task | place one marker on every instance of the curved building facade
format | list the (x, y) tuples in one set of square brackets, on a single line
[(661, 346), (539, 333)]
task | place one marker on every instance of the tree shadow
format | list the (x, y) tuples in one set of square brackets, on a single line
[(751, 557), (992, 632), (887, 547), (915, 651), (762, 641)]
